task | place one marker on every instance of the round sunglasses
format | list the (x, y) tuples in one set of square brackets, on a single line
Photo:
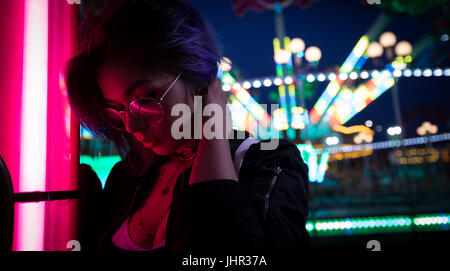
[(146, 109)]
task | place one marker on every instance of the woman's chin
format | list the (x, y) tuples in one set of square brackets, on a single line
[(158, 149), (161, 147)]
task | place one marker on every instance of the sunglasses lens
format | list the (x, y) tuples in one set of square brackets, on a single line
[(147, 109), (114, 119)]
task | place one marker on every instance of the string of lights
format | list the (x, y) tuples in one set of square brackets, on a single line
[(320, 76), (388, 144), (385, 224)]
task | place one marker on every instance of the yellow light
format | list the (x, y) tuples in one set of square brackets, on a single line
[(427, 127), (361, 46), (297, 45), (333, 88), (403, 48), (388, 39), (374, 50), (225, 64), (313, 54), (353, 129)]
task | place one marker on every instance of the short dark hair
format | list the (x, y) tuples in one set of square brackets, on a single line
[(168, 36)]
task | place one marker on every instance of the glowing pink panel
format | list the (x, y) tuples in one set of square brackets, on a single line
[(62, 128), (29, 217)]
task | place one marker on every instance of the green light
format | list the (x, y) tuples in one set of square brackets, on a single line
[(361, 225), (227, 79), (101, 165)]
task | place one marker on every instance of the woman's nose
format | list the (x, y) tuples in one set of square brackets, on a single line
[(132, 124)]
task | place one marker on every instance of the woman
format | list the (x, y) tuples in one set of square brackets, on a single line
[(136, 63)]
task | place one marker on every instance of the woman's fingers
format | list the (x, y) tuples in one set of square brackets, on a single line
[(217, 98)]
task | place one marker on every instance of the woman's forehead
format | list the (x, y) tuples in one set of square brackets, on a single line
[(115, 77)]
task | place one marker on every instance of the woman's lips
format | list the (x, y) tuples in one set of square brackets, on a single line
[(149, 143)]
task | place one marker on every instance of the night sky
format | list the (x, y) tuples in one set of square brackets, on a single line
[(334, 27)]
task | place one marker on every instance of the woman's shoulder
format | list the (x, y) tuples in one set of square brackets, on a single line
[(267, 150)]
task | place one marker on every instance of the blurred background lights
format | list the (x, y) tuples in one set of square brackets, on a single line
[(397, 73), (288, 80), (246, 85), (256, 84), (374, 50), (403, 48), (375, 74), (395, 130), (362, 138), (313, 54), (386, 73), (427, 128), (236, 86), (310, 78), (368, 123), (277, 81), (388, 39), (407, 73), (427, 72), (437, 72), (343, 76), (282, 56), (297, 45), (321, 77), (332, 140), (225, 64), (331, 76), (364, 75)]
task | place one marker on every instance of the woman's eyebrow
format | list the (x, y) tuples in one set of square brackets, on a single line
[(133, 87), (129, 91)]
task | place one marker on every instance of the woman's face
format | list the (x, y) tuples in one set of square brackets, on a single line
[(115, 77)]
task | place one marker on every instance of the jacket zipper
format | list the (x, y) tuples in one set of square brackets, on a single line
[(276, 171)]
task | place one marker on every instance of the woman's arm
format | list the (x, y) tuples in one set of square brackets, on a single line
[(213, 159)]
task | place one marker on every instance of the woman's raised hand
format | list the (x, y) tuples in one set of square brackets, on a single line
[(216, 112)]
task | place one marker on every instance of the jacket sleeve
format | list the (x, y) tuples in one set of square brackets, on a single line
[(276, 182), (224, 215)]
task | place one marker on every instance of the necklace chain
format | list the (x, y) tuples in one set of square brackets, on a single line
[(164, 192)]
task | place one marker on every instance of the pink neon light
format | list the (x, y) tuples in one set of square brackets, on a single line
[(30, 216), (62, 130), (29, 225)]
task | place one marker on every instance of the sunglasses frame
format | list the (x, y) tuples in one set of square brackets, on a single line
[(120, 114)]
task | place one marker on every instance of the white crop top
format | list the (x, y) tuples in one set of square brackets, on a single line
[(122, 239)]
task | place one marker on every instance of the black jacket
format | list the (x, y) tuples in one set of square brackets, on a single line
[(265, 211)]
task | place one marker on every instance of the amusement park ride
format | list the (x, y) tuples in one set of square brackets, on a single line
[(349, 91)]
